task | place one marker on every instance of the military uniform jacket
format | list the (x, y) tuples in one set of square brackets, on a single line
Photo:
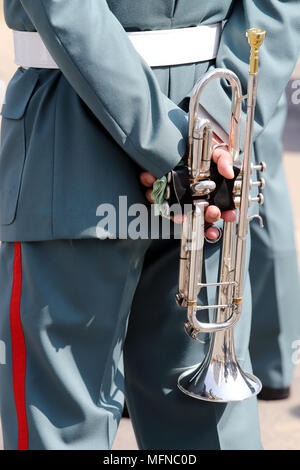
[(78, 137)]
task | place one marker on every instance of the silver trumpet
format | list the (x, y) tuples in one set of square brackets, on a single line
[(219, 378)]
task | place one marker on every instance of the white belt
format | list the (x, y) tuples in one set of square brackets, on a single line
[(158, 48)]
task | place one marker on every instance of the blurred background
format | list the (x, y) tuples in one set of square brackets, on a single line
[(280, 421)]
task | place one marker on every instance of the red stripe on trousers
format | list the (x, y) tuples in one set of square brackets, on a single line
[(18, 350)]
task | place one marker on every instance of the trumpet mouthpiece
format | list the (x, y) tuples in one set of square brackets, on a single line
[(255, 37)]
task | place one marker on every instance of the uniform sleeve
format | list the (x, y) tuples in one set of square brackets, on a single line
[(94, 53), (278, 56)]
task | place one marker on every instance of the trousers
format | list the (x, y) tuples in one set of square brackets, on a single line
[(84, 321), (273, 266)]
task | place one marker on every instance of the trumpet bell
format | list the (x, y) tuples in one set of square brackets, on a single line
[(219, 382)]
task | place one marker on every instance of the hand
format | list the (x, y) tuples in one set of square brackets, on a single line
[(223, 159)]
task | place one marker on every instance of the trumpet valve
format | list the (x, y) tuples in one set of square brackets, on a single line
[(262, 167), (259, 183), (238, 185), (259, 199), (203, 188)]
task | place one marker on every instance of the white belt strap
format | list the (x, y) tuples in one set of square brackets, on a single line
[(178, 46), (158, 48)]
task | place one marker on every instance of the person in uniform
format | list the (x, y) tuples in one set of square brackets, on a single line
[(274, 271), (77, 131)]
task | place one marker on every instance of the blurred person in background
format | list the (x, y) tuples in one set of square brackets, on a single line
[(274, 270)]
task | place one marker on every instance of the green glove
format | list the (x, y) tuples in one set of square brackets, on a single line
[(161, 206)]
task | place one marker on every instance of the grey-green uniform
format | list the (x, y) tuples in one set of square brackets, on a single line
[(273, 268), (78, 137)]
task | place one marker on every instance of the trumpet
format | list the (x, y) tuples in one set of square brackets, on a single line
[(219, 377)]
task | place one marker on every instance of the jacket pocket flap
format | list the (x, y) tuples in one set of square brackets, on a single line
[(18, 93)]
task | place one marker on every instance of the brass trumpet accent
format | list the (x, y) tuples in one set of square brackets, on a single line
[(219, 378), (255, 37)]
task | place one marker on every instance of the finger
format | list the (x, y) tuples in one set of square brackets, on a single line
[(212, 233), (224, 161), (148, 195), (178, 218), (147, 179), (229, 216), (212, 214)]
